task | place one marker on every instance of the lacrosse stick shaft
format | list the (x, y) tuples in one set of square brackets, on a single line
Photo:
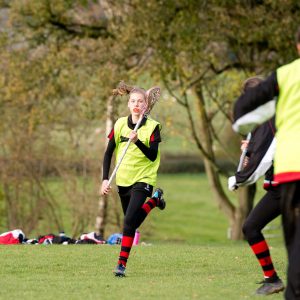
[(243, 155), (124, 152)]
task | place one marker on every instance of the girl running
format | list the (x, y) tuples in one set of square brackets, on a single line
[(259, 162), (137, 173)]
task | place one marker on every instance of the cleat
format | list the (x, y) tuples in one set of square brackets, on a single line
[(158, 196), (120, 270), (270, 286)]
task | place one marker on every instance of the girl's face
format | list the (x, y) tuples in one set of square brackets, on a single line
[(136, 103)]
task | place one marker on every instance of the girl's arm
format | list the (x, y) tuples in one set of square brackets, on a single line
[(105, 188), (261, 154), (261, 150), (108, 156), (151, 152)]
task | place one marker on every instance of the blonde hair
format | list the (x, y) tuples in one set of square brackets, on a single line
[(125, 89)]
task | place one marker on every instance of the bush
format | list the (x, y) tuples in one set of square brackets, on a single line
[(189, 164)]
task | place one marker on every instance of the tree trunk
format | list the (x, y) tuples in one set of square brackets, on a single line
[(245, 204), (102, 215), (101, 218), (9, 207), (235, 214), (213, 176), (222, 200)]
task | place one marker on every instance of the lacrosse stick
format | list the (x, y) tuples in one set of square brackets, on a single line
[(152, 96), (243, 155)]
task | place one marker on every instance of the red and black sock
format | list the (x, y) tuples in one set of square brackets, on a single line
[(125, 249), (262, 252), (149, 205), (144, 211), (127, 240)]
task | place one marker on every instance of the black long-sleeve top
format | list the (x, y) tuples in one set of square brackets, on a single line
[(260, 152), (149, 152)]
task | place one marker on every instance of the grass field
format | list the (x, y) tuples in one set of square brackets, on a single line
[(160, 271), (192, 215), (185, 255)]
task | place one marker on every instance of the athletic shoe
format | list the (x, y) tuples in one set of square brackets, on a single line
[(158, 196), (120, 270), (270, 286)]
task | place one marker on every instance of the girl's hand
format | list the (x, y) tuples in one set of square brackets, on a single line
[(245, 162), (105, 188), (133, 136), (244, 144)]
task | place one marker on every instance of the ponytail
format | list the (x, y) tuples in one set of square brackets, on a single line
[(125, 89)]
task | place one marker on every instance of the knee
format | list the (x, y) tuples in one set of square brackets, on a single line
[(247, 229), (129, 226), (251, 231)]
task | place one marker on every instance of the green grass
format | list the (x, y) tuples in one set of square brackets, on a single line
[(192, 215), (185, 255), (160, 271)]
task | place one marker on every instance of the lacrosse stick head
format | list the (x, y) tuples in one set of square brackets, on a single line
[(152, 96)]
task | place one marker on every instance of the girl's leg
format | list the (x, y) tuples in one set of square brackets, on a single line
[(155, 201), (265, 211), (290, 205), (124, 194), (139, 193)]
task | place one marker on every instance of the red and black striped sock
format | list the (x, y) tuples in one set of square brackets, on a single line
[(262, 252), (149, 205), (125, 249), (144, 211)]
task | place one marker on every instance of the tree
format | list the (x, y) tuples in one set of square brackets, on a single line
[(201, 48), (69, 54), (61, 61), (52, 86)]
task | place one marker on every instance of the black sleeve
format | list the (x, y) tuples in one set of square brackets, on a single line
[(259, 144), (155, 139), (108, 155), (155, 136), (256, 96)]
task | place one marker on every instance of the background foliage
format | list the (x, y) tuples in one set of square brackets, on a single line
[(60, 60)]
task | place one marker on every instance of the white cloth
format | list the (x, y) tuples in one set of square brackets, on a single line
[(232, 183)]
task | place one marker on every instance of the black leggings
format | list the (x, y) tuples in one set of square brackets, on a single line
[(132, 199), (267, 209), (290, 207)]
